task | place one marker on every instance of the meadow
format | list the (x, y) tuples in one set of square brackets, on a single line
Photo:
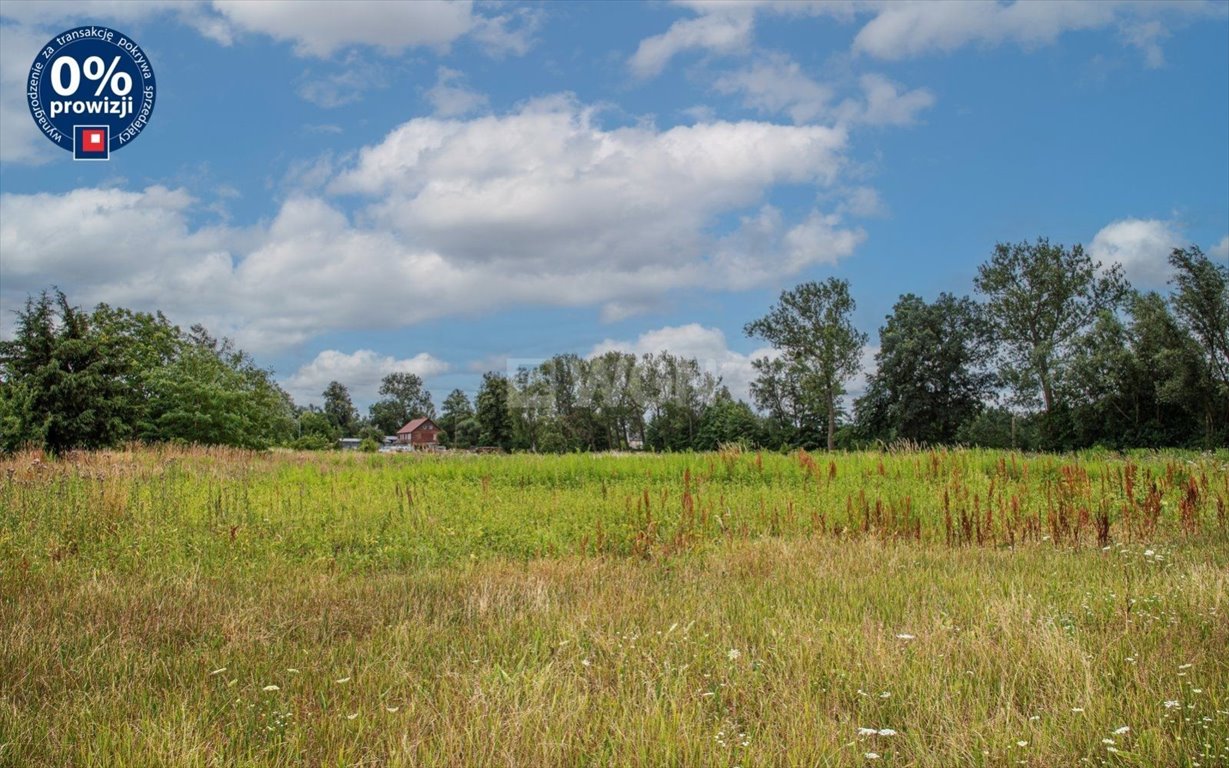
[(215, 607)]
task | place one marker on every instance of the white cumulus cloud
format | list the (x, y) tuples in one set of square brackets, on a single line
[(1141, 246), (540, 207)]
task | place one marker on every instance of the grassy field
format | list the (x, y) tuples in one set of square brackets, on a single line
[(209, 607)]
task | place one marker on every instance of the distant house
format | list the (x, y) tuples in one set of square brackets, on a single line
[(349, 443), (420, 434)]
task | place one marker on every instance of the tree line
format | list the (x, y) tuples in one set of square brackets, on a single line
[(1055, 352)]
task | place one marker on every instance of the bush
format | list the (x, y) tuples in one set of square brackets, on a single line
[(312, 443)]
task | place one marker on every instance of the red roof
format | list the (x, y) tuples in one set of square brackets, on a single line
[(413, 426)]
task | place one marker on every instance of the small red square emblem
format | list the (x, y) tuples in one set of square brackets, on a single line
[(93, 140)]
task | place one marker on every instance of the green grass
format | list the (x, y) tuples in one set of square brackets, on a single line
[(726, 609)]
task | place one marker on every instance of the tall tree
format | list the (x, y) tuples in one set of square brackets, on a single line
[(812, 326), (795, 414), (492, 412), (930, 372), (339, 408), (456, 409), (61, 381), (1040, 299), (1201, 301)]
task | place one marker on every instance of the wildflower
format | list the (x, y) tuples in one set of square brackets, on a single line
[(351, 717), (1077, 709), (391, 709), (218, 671), (1172, 704), (1021, 743), (885, 695), (733, 654), (292, 670), (1123, 729), (867, 731), (1185, 666), (1148, 553), (585, 662), (871, 755), (904, 636), (1107, 741), (886, 732), (272, 688), (342, 680)]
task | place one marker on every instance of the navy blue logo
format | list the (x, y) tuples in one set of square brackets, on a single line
[(91, 91)]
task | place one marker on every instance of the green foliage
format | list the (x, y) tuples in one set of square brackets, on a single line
[(368, 445), (313, 442), (727, 421), (405, 399), (930, 375), (812, 325), (1040, 300), (339, 409), (456, 409), (1201, 302), (72, 380), (492, 413), (62, 383)]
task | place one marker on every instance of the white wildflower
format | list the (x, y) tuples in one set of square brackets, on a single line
[(272, 688), (1123, 729), (867, 731), (1021, 743), (905, 636), (342, 680), (871, 755), (1172, 704), (886, 732), (733, 654)]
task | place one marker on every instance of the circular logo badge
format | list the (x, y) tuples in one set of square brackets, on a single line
[(91, 91)]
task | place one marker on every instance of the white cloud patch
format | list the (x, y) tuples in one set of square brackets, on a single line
[(346, 86), (907, 29), (361, 371), (547, 192), (1221, 249), (450, 97), (540, 207), (723, 29), (1141, 246), (320, 29), (886, 103), (776, 84), (910, 28)]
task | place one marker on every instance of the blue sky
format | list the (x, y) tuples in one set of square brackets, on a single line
[(357, 188)]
